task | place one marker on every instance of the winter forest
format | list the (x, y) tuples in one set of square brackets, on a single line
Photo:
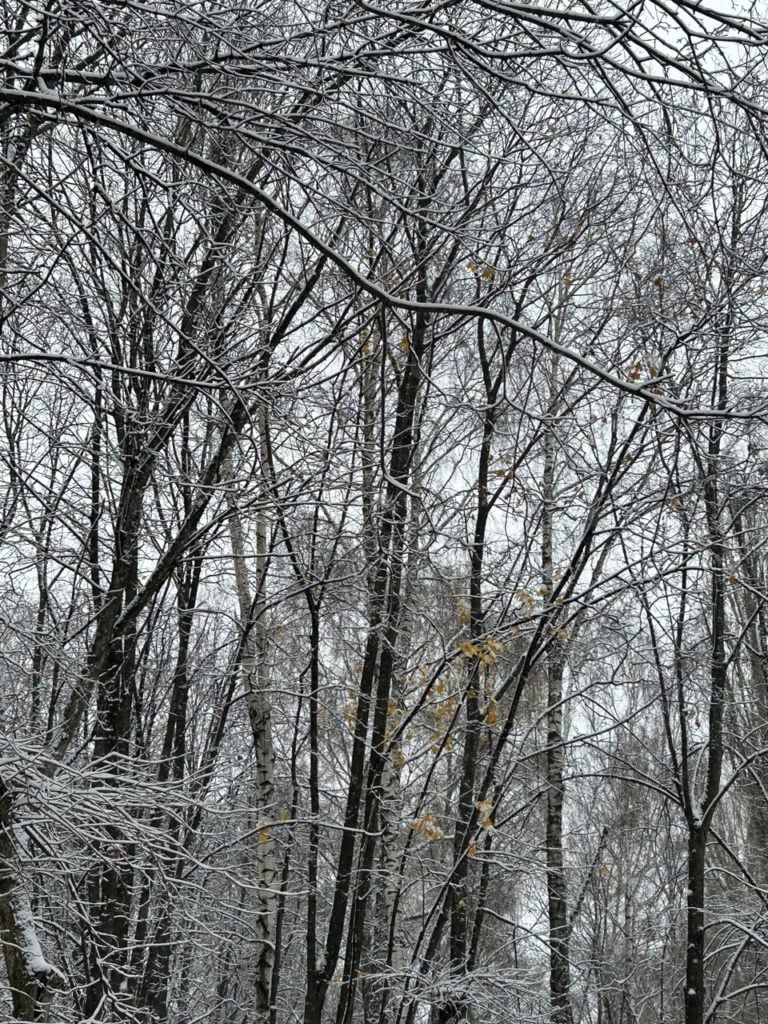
[(383, 520)]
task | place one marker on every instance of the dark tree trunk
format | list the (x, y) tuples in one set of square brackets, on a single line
[(557, 899)]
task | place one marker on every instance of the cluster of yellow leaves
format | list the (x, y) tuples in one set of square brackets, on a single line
[(444, 709), (487, 652), (493, 647), (485, 807), (484, 271), (427, 826), (636, 371), (491, 716)]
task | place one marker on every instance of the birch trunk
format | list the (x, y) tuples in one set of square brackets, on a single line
[(255, 679)]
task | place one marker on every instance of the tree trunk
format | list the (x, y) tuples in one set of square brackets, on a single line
[(694, 960), (255, 675), (557, 900), (33, 982)]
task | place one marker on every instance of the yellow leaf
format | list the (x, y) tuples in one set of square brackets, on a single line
[(485, 807), (492, 648), (264, 835), (427, 826), (491, 713)]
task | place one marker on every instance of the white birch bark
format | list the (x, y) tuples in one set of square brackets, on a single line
[(255, 680)]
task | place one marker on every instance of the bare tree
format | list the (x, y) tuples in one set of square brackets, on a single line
[(380, 521)]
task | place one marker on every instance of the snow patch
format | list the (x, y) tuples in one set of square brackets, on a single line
[(34, 960)]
